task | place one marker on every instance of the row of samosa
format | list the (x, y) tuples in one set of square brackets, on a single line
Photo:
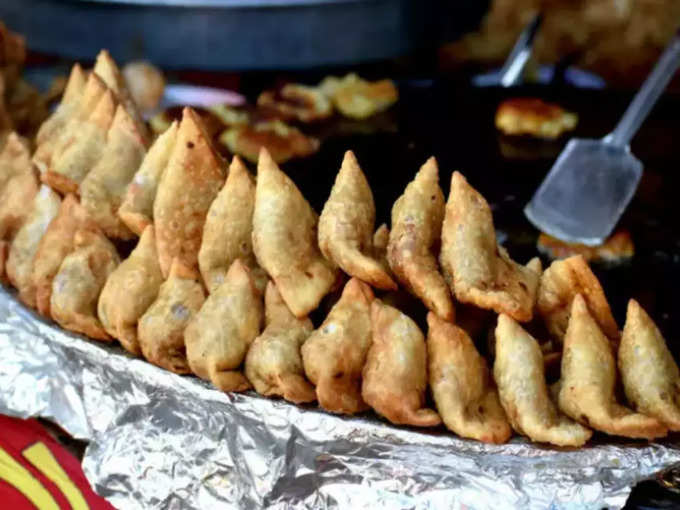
[(220, 259)]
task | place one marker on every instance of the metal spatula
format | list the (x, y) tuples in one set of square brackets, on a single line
[(589, 187)]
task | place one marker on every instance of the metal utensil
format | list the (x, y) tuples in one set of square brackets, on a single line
[(592, 182), (511, 72)]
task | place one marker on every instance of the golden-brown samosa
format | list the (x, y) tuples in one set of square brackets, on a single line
[(519, 374), (588, 381), (477, 269), (463, 390), (136, 211), (130, 291), (54, 246), (395, 373), (334, 355), (69, 102), (83, 149), (55, 126), (107, 69), (102, 190), (346, 226), (228, 229), (417, 217), (18, 186), (651, 378), (190, 183), (285, 241), (25, 244), (218, 337), (559, 284), (81, 277), (273, 364), (160, 331)]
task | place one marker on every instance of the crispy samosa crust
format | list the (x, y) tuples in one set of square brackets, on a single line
[(462, 386), (417, 218), (334, 354), (651, 378), (589, 378)]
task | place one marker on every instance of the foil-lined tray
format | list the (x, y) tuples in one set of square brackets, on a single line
[(162, 441)]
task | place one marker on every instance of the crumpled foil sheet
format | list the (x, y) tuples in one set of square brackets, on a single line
[(162, 441)]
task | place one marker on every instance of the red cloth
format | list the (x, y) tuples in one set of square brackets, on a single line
[(26, 444)]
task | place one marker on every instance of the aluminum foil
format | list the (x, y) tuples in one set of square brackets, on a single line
[(162, 441)]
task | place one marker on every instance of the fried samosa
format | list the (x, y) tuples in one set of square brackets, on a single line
[(651, 378), (395, 373), (285, 241), (129, 292), (381, 239), (102, 191), (417, 217), (462, 386), (73, 91), (81, 277), (588, 381), (189, 185), (136, 211), (228, 229), (559, 284), (18, 186), (25, 244), (477, 269), (346, 226), (334, 355), (83, 149), (519, 373), (52, 129), (273, 364), (160, 331), (218, 337), (54, 246)]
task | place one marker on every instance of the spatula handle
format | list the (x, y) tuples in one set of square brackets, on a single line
[(648, 95), (520, 54)]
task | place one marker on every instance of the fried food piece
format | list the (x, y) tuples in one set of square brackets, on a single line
[(20, 256), (102, 191), (334, 354), (228, 229), (651, 378), (145, 82), (346, 226), (273, 364), (136, 211), (559, 284), (381, 239), (219, 335), (589, 378), (285, 241), (534, 117), (282, 141), (54, 246), (232, 115), (19, 187), (300, 102), (357, 98), (160, 330), (417, 217), (107, 69), (83, 149), (617, 248), (81, 277), (477, 269), (518, 371), (129, 292), (51, 129), (190, 183), (461, 383), (395, 373)]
